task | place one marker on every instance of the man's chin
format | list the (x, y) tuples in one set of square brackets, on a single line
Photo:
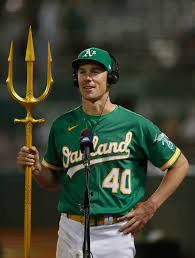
[(90, 97)]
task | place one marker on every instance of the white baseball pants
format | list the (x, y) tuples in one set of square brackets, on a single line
[(105, 241)]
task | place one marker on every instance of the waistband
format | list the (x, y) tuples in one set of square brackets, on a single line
[(95, 220)]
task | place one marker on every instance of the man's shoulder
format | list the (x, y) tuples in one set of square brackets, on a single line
[(131, 115)]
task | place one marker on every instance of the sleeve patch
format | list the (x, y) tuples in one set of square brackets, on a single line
[(164, 140)]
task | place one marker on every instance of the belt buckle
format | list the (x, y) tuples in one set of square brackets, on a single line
[(108, 220), (102, 220)]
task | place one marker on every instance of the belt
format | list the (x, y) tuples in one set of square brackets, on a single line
[(95, 220)]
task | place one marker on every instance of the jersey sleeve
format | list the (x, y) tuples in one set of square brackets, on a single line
[(51, 159), (159, 149)]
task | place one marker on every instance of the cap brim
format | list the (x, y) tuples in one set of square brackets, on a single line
[(76, 63)]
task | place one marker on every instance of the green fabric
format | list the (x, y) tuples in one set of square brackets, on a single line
[(124, 141), (95, 54)]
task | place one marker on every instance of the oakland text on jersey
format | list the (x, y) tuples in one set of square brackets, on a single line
[(121, 148)]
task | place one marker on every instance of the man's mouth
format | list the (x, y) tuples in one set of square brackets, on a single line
[(89, 87)]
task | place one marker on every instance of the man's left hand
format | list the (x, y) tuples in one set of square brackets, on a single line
[(138, 217)]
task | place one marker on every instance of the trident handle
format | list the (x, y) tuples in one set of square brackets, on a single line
[(28, 196), (28, 102)]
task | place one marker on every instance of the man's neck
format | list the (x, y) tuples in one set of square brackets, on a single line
[(98, 107)]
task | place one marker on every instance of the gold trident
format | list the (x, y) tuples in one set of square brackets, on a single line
[(28, 102)]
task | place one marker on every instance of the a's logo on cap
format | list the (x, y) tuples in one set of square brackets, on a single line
[(89, 53)]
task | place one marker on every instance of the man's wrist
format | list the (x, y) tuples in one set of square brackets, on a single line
[(37, 170), (152, 204)]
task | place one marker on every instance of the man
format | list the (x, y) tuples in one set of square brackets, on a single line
[(123, 143)]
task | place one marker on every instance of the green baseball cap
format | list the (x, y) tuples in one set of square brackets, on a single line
[(95, 54)]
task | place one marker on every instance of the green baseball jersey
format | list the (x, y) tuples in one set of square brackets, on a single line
[(123, 143)]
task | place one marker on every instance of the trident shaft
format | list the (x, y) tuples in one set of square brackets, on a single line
[(28, 102)]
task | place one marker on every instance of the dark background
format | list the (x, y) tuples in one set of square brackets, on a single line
[(154, 43)]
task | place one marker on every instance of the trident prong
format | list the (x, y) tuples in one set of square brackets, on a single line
[(28, 102), (49, 77), (9, 80)]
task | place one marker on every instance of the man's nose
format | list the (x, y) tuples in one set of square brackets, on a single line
[(88, 77)]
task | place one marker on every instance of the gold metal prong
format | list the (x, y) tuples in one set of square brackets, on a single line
[(9, 80), (30, 54)]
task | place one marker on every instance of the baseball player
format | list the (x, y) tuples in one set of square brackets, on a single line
[(123, 143)]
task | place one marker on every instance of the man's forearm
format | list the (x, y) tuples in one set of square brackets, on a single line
[(46, 178), (170, 182)]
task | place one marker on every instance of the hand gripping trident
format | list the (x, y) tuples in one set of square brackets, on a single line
[(29, 102)]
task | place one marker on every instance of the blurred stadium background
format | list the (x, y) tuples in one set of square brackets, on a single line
[(154, 43)]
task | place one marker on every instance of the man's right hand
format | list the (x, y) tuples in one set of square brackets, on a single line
[(29, 157)]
